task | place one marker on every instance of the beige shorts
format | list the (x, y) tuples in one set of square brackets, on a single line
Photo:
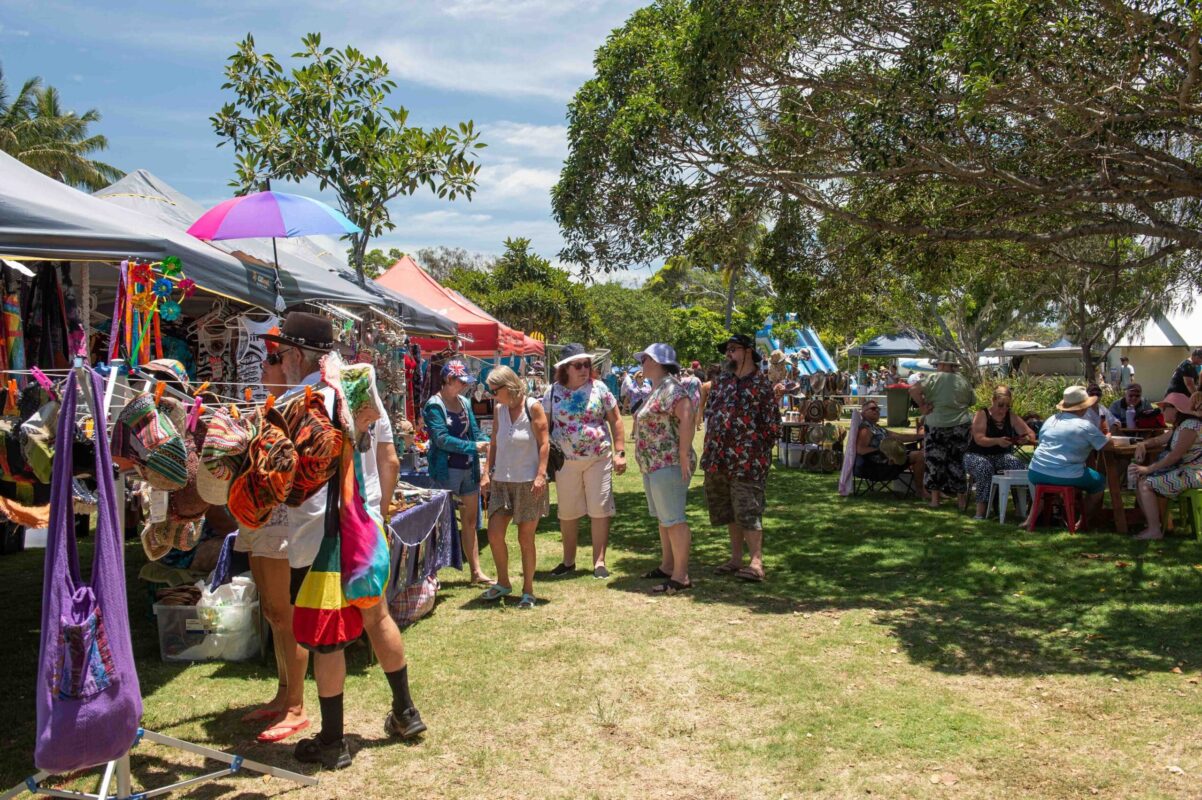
[(265, 544), (585, 488)]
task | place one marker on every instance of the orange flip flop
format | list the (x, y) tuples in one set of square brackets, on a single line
[(278, 733)]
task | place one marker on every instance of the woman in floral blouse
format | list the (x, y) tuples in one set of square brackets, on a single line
[(667, 460), (585, 423)]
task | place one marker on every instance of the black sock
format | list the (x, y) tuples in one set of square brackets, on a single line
[(331, 719), (399, 681)]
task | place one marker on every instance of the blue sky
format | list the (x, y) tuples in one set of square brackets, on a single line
[(154, 71)]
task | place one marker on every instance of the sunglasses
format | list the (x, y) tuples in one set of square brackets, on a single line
[(276, 358)]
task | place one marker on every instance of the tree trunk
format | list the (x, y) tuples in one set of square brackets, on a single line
[(730, 297), (358, 251)]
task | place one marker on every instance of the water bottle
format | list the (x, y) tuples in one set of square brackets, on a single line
[(1130, 417)]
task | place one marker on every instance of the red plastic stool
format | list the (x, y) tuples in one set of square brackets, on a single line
[(1068, 498)]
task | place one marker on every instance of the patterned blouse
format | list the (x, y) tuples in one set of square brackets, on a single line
[(742, 426), (577, 419), (656, 429)]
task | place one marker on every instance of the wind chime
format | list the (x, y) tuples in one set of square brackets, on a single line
[(145, 295)]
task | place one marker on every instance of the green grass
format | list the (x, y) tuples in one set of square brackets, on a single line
[(894, 651)]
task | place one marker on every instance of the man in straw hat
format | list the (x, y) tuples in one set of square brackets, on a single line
[(297, 532), (742, 426), (1065, 441), (1179, 467)]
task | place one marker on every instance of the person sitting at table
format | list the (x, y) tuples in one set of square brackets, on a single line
[(995, 433), (1133, 408), (1066, 440), (872, 464), (1178, 468), (1098, 414)]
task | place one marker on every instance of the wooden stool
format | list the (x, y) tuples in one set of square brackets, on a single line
[(1068, 499)]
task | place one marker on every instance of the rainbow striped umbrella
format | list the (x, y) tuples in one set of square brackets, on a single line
[(270, 214)]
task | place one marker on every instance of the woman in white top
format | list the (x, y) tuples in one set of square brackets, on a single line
[(517, 479)]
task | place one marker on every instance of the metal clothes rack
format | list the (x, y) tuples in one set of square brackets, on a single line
[(119, 769)]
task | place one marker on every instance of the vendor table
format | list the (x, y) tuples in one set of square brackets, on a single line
[(422, 480), (413, 526), (1113, 461)]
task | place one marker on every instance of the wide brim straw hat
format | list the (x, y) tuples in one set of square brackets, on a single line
[(777, 356), (1180, 402), (1076, 398), (895, 451)]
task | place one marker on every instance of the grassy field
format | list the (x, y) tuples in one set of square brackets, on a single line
[(895, 651)]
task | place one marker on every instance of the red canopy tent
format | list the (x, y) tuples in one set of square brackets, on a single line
[(488, 335)]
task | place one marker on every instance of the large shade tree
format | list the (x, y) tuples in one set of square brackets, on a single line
[(328, 119), (38, 132)]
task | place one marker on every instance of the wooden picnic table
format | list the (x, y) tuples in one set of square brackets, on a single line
[(1113, 461)]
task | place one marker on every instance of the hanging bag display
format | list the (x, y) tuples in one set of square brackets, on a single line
[(89, 703)]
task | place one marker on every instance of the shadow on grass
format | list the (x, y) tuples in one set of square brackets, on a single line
[(961, 596)]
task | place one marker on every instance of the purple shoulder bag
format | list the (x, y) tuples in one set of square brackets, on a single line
[(89, 704)]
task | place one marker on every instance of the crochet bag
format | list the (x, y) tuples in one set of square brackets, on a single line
[(88, 700)]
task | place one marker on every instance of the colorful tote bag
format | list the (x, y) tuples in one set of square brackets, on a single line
[(365, 554), (323, 620), (89, 704)]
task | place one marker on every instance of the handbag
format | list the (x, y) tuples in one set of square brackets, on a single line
[(322, 619), (555, 455), (364, 551), (89, 703)]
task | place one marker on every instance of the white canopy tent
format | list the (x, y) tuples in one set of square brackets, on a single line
[(1156, 348)]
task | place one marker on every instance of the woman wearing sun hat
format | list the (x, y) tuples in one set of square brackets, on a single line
[(945, 399), (1178, 468), (663, 447), (1065, 441), (584, 420), (454, 455)]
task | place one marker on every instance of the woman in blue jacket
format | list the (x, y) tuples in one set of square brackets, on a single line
[(455, 446)]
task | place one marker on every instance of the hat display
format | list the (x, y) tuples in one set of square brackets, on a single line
[(222, 455), (157, 538), (170, 370), (815, 411), (306, 331), (1076, 398), (145, 438), (947, 357), (777, 357), (267, 474), (318, 445), (832, 409), (818, 382), (1180, 402), (741, 340), (186, 503), (573, 352), (662, 354), (895, 451)]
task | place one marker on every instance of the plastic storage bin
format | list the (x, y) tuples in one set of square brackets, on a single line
[(214, 633)]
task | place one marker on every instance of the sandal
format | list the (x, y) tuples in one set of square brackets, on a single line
[(726, 569), (656, 574), (749, 574), (278, 733), (527, 601), (495, 592), (671, 587)]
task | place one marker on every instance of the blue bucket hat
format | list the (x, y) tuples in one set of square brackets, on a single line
[(662, 354)]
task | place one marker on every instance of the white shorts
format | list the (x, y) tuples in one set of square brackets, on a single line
[(585, 488), (261, 543)]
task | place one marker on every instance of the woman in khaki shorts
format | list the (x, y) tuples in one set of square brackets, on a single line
[(516, 480)]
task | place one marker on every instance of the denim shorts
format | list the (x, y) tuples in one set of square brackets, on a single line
[(667, 495), (459, 482)]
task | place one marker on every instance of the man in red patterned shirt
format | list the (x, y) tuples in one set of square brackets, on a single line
[(742, 426)]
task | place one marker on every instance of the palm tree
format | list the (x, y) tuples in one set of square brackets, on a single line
[(36, 131)]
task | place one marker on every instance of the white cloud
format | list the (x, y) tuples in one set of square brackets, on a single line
[(13, 32), (435, 218), (511, 182), (539, 141)]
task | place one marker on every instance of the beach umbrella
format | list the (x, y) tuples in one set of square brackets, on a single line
[(271, 214)]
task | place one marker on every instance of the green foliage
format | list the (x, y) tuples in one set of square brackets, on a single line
[(441, 261), (624, 320), (696, 334), (375, 261), (524, 290), (1033, 394), (327, 119), (35, 130)]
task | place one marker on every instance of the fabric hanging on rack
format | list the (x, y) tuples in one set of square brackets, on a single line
[(213, 346), (251, 351), (45, 316), (76, 334), (14, 336), (89, 703)]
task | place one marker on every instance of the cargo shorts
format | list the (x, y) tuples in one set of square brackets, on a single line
[(734, 500)]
